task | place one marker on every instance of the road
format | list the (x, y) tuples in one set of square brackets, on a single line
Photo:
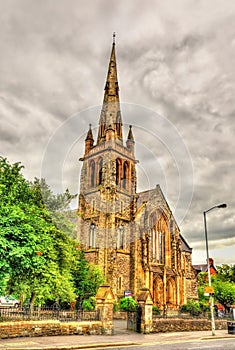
[(216, 344)]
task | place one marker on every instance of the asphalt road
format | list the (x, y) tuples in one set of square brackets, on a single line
[(217, 344)]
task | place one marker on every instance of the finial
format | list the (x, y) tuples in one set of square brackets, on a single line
[(90, 126), (114, 35)]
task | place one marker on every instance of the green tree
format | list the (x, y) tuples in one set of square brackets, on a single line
[(224, 293), (38, 259), (58, 206), (87, 278), (35, 256), (226, 272), (127, 304), (224, 290)]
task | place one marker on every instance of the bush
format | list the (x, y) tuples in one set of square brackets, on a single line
[(89, 304), (204, 306), (192, 307), (156, 310), (115, 306), (128, 304)]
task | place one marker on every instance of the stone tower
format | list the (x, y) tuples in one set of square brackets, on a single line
[(107, 200), (132, 237)]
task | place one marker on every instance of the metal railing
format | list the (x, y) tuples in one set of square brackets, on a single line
[(188, 315), (46, 313)]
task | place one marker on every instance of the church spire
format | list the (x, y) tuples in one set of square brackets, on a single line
[(130, 142), (110, 116), (89, 141)]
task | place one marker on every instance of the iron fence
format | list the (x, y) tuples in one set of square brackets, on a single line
[(46, 313), (186, 315)]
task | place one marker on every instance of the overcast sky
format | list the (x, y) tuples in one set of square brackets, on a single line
[(177, 86)]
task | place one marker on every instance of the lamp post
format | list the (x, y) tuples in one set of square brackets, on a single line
[(208, 266)]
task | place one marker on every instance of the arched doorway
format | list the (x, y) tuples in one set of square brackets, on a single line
[(170, 293), (158, 292)]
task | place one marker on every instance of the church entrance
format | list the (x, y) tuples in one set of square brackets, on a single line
[(158, 291)]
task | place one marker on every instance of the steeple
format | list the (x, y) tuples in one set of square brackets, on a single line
[(130, 140), (89, 140), (130, 136), (110, 116), (89, 136)]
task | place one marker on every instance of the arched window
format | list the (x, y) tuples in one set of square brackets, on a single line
[(120, 238), (162, 248), (157, 245), (125, 174), (118, 172), (92, 173), (120, 283), (100, 171), (92, 237), (158, 233), (154, 234)]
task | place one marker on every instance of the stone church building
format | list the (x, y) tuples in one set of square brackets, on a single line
[(133, 237)]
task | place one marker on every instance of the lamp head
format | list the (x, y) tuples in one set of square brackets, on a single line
[(224, 205)]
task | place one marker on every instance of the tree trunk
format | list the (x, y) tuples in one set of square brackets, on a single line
[(31, 302)]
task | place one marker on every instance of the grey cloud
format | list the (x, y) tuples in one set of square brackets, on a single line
[(174, 61)]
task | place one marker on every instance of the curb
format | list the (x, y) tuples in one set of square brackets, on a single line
[(228, 336), (74, 347)]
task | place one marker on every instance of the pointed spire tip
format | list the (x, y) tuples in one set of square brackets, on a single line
[(114, 36)]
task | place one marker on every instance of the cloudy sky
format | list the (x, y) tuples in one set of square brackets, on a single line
[(177, 86)]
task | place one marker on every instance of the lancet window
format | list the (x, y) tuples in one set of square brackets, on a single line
[(118, 171), (125, 174), (100, 171), (120, 238), (92, 173), (157, 239), (92, 236)]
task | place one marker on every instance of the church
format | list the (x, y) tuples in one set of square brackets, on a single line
[(133, 237)]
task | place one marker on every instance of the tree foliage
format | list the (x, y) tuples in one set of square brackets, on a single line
[(225, 293), (57, 205), (192, 307), (35, 254), (127, 304), (224, 289), (38, 260), (87, 278), (226, 272)]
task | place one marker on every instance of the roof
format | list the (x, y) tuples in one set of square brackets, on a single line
[(146, 196), (185, 245), (149, 196), (200, 267)]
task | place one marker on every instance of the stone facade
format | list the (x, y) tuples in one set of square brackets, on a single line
[(133, 237)]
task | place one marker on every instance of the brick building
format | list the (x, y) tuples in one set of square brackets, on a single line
[(133, 237)]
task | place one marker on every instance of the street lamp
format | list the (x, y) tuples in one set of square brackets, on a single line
[(208, 266)]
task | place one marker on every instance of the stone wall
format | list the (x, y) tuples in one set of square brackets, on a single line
[(181, 325), (47, 328)]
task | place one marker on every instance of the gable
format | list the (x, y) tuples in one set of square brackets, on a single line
[(151, 201)]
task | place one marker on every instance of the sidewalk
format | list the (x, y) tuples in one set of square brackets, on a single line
[(122, 337)]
